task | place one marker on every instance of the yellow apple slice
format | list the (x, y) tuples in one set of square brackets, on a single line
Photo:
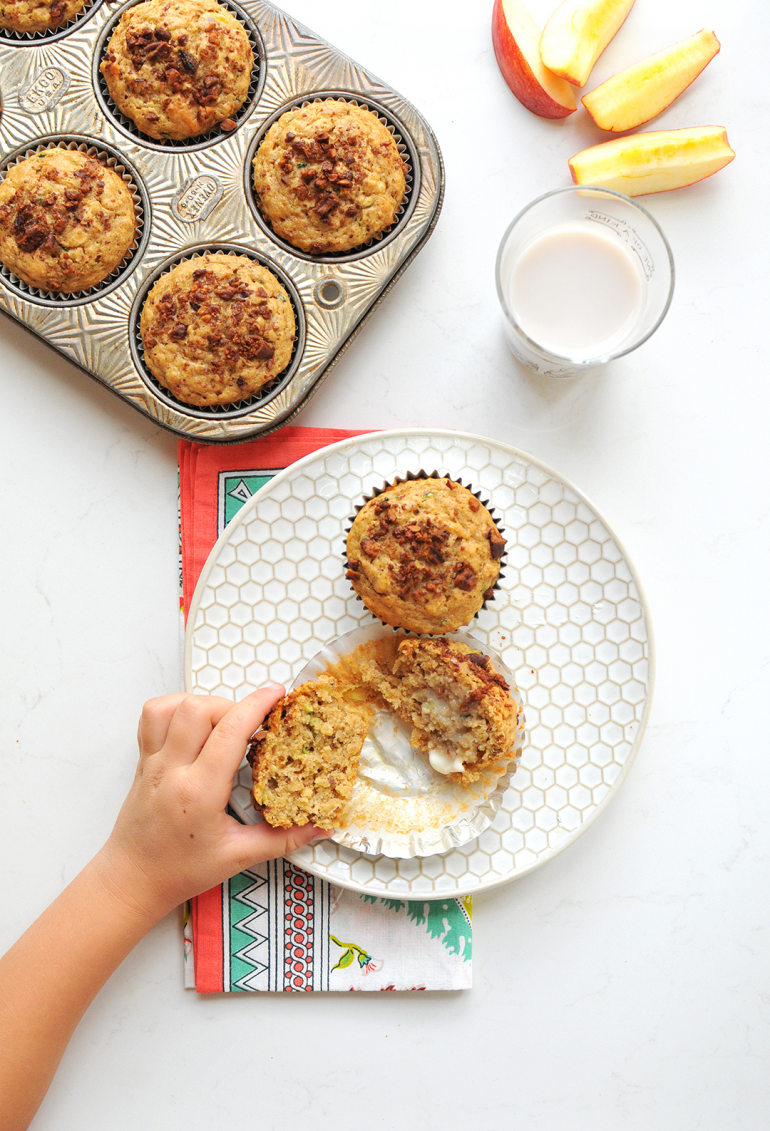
[(577, 33), (653, 162), (640, 93), (516, 40)]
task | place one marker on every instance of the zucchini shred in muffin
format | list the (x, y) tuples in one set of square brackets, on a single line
[(424, 554), (461, 710), (217, 328), (177, 68), (329, 176), (29, 16), (66, 220), (304, 761)]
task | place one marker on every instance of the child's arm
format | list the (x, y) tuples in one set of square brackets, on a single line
[(172, 840)]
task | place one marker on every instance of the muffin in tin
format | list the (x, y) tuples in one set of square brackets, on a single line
[(424, 555), (329, 176), (66, 220), (177, 68), (30, 16), (217, 328)]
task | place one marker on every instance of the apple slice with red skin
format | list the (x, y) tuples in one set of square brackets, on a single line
[(653, 162), (516, 40), (640, 93), (577, 33)]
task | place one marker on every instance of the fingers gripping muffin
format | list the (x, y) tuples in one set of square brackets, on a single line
[(329, 176), (424, 555), (177, 68), (216, 328), (66, 220)]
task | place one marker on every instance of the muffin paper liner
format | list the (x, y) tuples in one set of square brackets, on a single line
[(422, 474), (198, 141), (128, 176), (268, 390), (400, 806), (390, 124)]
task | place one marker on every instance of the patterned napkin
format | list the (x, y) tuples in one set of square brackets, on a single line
[(277, 927)]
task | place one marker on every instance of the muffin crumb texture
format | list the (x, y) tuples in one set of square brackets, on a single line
[(329, 176), (457, 703), (66, 220), (217, 328), (304, 761), (424, 555), (178, 69), (29, 16)]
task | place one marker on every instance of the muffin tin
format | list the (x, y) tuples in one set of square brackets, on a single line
[(197, 196)]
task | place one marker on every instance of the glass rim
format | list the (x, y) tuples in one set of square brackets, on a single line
[(582, 362)]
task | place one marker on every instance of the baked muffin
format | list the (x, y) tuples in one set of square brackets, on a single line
[(461, 710), (29, 16), (304, 761), (216, 328), (177, 68), (424, 555), (329, 176), (66, 220)]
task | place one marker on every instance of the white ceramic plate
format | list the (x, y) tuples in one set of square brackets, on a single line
[(569, 620)]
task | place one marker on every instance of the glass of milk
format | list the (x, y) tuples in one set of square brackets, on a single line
[(584, 275)]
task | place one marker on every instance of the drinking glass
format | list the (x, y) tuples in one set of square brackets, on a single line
[(619, 218)]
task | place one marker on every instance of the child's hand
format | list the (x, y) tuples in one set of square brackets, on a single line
[(172, 838)]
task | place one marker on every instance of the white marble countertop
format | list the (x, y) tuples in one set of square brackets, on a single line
[(625, 983)]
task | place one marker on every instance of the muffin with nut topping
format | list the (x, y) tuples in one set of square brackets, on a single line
[(178, 68), (329, 176), (66, 220), (30, 16), (216, 329), (424, 554)]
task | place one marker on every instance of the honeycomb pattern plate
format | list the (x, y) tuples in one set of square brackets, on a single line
[(569, 619)]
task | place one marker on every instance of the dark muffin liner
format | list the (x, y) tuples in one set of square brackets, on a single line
[(422, 474), (199, 141), (271, 389), (404, 149), (33, 38), (111, 160)]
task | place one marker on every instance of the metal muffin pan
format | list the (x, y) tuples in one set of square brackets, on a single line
[(198, 196)]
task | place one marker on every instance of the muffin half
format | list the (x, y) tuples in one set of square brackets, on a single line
[(304, 761)]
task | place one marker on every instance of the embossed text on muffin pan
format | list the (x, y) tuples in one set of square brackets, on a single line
[(200, 197)]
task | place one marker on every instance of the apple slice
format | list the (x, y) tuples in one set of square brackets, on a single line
[(577, 33), (653, 162), (516, 40), (640, 93)]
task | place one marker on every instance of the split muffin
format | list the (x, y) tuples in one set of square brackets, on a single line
[(424, 555), (304, 761), (329, 176), (177, 68), (216, 329), (29, 16), (66, 220), (460, 708)]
